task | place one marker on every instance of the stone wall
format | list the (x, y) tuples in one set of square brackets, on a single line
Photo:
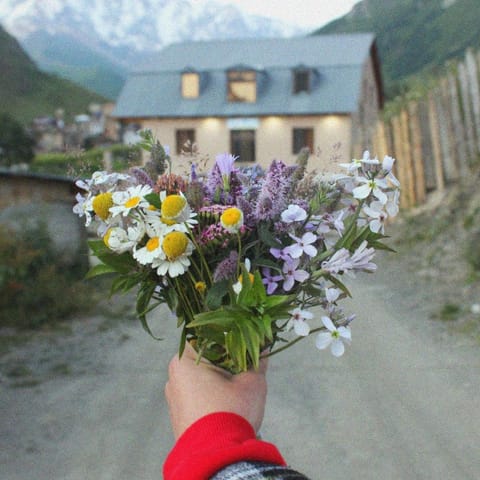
[(28, 199)]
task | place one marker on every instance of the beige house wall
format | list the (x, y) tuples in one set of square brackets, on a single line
[(273, 139)]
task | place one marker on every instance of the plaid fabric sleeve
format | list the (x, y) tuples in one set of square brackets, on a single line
[(257, 471)]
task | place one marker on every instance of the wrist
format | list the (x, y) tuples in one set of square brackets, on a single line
[(213, 442)]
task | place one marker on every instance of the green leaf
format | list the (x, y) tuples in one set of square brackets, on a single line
[(267, 237), (144, 296), (216, 294), (338, 284), (267, 326), (225, 317), (122, 263), (100, 269), (154, 199), (252, 342), (98, 247)]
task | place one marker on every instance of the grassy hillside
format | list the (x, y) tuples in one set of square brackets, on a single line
[(62, 55), (413, 35), (26, 92)]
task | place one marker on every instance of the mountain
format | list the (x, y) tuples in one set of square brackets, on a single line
[(26, 92), (413, 36), (96, 42)]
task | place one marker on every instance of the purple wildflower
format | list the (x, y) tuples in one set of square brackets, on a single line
[(270, 281), (302, 245), (212, 233), (292, 275), (227, 268), (339, 262), (273, 195), (225, 163), (280, 254), (294, 213), (141, 176), (361, 258)]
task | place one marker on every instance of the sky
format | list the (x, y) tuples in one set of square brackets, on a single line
[(308, 14)]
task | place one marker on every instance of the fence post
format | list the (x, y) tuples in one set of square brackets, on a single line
[(401, 163), (436, 146), (416, 151), (472, 74), (467, 112), (379, 141), (447, 137), (407, 152), (459, 137)]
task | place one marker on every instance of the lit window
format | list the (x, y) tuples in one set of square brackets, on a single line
[(242, 145), (190, 85), (301, 81), (185, 139), (242, 86), (302, 137)]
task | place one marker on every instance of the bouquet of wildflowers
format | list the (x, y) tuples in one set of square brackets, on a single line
[(241, 256)]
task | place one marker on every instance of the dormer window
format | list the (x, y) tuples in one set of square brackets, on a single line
[(301, 80), (190, 85), (242, 86)]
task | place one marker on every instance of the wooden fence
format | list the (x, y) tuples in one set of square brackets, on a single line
[(435, 138)]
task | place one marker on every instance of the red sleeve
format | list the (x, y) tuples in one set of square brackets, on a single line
[(212, 443)]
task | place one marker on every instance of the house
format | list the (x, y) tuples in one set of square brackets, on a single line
[(260, 99)]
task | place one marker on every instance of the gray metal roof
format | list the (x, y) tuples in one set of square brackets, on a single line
[(337, 60)]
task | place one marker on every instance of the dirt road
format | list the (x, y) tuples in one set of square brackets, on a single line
[(401, 404)]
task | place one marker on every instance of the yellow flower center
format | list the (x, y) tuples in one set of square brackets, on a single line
[(172, 206), (152, 244), (231, 217), (106, 237), (200, 287), (132, 202), (251, 277), (174, 245), (102, 203)]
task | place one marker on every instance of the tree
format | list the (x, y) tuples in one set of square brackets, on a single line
[(16, 145)]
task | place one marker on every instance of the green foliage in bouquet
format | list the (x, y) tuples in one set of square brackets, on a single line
[(240, 256)]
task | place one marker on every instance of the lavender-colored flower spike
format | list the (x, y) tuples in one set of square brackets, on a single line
[(225, 162), (273, 196), (141, 176), (227, 268)]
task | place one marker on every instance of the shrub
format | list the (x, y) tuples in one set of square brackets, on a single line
[(124, 156), (34, 288), (16, 145), (69, 164), (84, 163)]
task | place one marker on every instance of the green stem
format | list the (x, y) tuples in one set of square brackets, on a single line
[(293, 342)]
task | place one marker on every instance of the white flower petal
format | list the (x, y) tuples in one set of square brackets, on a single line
[(363, 191), (328, 323), (337, 348), (345, 332), (301, 328), (323, 340)]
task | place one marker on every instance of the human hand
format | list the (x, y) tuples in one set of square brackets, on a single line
[(193, 391)]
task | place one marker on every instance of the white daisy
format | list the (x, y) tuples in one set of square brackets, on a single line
[(175, 208), (130, 199), (116, 239), (176, 249)]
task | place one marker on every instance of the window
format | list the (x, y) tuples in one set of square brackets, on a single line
[(190, 85), (301, 81), (242, 145), (242, 86), (185, 139), (302, 137)]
